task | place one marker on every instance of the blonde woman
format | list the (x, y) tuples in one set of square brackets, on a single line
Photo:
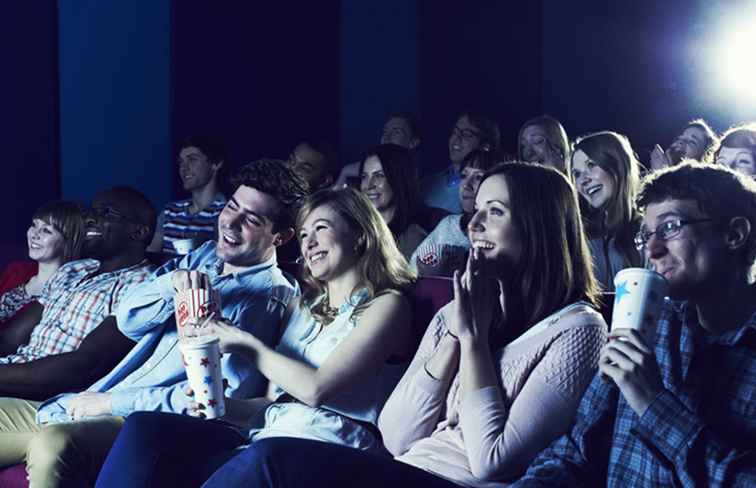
[(499, 371), (336, 364)]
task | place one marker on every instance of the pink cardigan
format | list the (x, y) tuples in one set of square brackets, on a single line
[(492, 434)]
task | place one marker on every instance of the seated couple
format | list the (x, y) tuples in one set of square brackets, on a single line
[(358, 279), (493, 382)]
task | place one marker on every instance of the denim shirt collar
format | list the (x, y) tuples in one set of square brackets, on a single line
[(214, 268)]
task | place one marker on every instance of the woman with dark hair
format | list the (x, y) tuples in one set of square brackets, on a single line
[(471, 131), (55, 237), (737, 149), (543, 140), (605, 171), (499, 371), (340, 355), (388, 177), (445, 248)]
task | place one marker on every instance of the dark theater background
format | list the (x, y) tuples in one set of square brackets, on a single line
[(97, 93)]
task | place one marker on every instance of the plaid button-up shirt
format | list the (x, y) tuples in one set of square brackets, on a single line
[(76, 300), (699, 431)]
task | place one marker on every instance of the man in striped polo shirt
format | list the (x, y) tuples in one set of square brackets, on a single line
[(184, 225)]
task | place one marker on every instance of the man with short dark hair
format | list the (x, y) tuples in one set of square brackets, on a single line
[(81, 295), (74, 432), (679, 411), (315, 162), (400, 128), (185, 224)]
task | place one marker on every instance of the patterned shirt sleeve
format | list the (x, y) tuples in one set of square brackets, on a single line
[(698, 455), (12, 301)]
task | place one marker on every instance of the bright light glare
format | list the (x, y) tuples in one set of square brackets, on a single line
[(736, 61)]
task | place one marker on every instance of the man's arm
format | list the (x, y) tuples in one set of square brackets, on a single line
[(41, 379), (18, 329), (698, 453)]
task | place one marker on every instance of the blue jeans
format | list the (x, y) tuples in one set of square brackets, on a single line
[(164, 449), (286, 462)]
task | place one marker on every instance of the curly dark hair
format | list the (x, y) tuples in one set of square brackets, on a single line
[(273, 177), (720, 193)]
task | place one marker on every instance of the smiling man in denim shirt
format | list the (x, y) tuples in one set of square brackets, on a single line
[(75, 430)]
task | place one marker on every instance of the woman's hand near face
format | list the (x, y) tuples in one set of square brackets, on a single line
[(475, 298), (658, 159)]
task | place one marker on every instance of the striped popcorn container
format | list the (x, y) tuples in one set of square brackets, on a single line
[(192, 306)]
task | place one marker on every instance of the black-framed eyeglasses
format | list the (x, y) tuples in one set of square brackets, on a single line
[(664, 231), (467, 134), (108, 213)]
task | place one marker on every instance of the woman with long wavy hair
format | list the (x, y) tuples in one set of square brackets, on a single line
[(500, 369), (606, 171), (338, 359)]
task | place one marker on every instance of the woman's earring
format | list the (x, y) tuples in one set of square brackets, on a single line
[(359, 244)]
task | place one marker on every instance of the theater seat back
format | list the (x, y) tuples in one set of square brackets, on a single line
[(429, 294), (14, 477)]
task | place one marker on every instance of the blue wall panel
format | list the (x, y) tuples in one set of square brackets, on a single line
[(379, 68), (114, 62)]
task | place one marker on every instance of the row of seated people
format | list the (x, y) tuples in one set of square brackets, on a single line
[(428, 214), (513, 381)]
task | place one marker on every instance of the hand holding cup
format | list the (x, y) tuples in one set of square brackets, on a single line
[(202, 361)]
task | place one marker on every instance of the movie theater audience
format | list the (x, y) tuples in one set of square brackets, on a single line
[(543, 140), (54, 238), (605, 171), (184, 225), (677, 410), (338, 360), (498, 370), (73, 432), (513, 382), (471, 131), (737, 149), (389, 180)]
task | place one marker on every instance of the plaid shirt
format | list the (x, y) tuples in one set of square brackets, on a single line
[(76, 299), (699, 431)]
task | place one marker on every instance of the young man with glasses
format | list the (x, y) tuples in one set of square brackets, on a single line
[(680, 411), (470, 132)]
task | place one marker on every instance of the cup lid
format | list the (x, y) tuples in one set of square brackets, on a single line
[(199, 342), (641, 271)]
